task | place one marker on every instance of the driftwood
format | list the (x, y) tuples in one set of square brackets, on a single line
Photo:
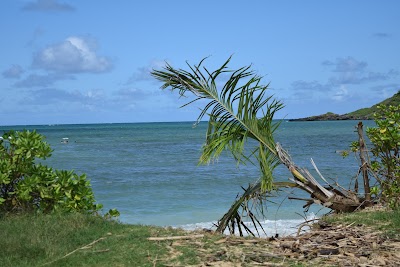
[(334, 197), (88, 246), (163, 238), (338, 200), (342, 245), (324, 245)]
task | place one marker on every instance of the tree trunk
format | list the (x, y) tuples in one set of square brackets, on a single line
[(338, 200), (364, 162), (330, 196)]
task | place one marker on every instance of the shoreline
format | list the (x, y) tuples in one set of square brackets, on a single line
[(280, 227)]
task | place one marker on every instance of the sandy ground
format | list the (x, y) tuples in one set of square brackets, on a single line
[(324, 245)]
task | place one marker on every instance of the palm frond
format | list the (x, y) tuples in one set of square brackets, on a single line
[(241, 110), (237, 111), (252, 192), (233, 111)]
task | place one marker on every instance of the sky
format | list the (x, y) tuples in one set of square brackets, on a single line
[(74, 61)]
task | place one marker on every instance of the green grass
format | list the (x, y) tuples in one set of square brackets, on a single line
[(45, 240)]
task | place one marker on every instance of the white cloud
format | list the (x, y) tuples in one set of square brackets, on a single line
[(310, 86), (14, 72), (91, 99), (35, 80), (352, 71), (132, 94), (35, 36), (348, 64), (142, 99), (386, 90), (47, 5), (301, 90), (341, 94), (74, 55), (143, 73), (382, 35), (361, 78)]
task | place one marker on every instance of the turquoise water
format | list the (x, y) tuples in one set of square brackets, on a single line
[(149, 171)]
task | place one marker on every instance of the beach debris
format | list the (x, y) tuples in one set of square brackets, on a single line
[(343, 245), (88, 246), (163, 238), (324, 245)]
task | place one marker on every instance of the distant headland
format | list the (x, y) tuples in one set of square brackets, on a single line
[(361, 114)]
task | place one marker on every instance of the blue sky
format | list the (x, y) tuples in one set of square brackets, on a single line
[(74, 61)]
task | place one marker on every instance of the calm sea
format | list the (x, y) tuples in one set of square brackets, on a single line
[(150, 171)]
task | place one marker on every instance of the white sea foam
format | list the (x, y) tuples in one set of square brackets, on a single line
[(271, 227)]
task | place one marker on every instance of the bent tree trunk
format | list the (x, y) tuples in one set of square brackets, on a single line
[(331, 196), (334, 197), (337, 199)]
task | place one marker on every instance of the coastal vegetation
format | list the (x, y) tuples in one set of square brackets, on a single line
[(28, 186), (385, 164), (368, 113), (360, 114), (240, 110)]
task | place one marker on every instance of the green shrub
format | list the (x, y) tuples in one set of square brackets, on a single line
[(26, 185), (385, 138)]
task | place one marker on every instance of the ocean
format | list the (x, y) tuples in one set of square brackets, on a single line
[(150, 171)]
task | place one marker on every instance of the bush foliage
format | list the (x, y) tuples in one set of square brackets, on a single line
[(26, 185), (384, 154), (385, 138)]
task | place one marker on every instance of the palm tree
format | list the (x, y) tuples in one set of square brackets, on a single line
[(238, 111)]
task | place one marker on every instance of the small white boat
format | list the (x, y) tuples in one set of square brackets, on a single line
[(65, 140)]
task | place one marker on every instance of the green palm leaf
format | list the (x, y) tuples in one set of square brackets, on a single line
[(238, 111)]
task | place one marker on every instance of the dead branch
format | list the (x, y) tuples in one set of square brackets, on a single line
[(81, 248), (164, 238)]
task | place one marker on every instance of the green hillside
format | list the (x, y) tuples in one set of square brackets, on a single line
[(367, 113), (361, 114)]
